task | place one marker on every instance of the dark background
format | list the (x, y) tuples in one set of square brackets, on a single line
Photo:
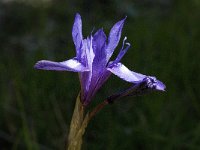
[(36, 106)]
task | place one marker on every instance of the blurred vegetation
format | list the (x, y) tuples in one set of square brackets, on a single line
[(36, 106)]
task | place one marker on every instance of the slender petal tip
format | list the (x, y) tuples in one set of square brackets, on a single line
[(39, 65), (154, 84), (160, 86), (78, 16)]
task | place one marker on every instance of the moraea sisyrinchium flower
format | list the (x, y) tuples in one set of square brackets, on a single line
[(92, 60), (92, 57)]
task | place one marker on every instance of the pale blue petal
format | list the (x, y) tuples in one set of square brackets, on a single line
[(69, 65), (124, 73)]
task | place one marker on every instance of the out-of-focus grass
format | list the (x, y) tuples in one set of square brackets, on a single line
[(36, 106)]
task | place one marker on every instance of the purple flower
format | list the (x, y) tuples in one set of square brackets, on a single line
[(92, 58), (93, 63)]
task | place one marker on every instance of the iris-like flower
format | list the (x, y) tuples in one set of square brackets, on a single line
[(92, 60)]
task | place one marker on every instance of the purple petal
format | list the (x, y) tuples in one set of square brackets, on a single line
[(99, 63), (151, 83), (122, 51), (69, 65), (124, 73), (114, 37), (98, 66), (160, 86), (96, 86), (77, 34), (98, 45)]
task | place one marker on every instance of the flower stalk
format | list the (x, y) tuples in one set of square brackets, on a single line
[(74, 137), (79, 123)]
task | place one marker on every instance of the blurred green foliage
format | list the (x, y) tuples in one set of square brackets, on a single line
[(36, 106)]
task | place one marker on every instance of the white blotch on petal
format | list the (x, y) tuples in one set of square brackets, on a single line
[(124, 73)]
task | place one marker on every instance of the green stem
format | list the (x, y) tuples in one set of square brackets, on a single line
[(79, 123), (74, 141)]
